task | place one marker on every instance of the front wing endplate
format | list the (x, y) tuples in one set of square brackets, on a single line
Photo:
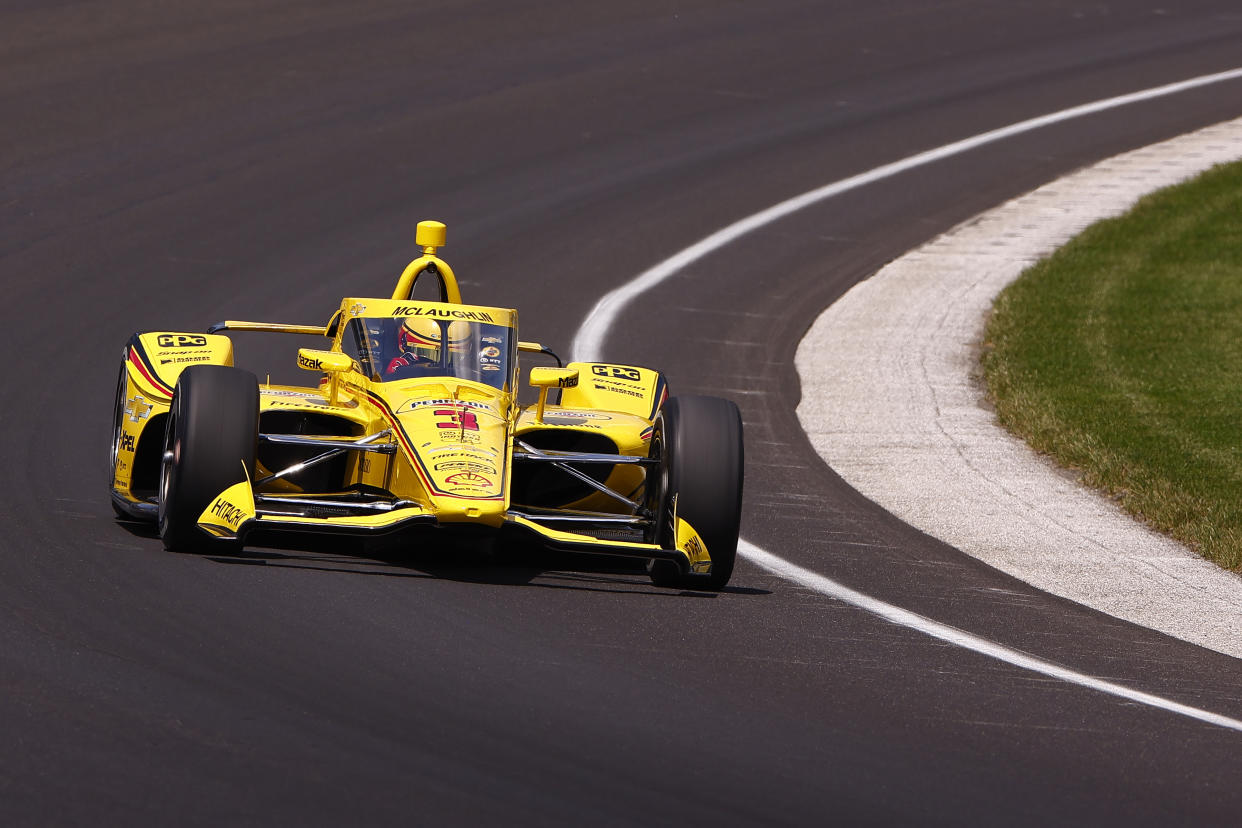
[(691, 545), (225, 515)]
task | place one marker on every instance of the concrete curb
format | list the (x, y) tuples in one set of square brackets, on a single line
[(892, 401)]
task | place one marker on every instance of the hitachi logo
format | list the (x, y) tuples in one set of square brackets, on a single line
[(227, 512)]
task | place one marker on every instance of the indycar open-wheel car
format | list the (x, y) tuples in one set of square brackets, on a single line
[(414, 428)]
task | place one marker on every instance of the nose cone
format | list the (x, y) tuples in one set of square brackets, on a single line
[(461, 455)]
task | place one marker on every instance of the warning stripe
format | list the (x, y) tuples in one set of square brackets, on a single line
[(661, 393), (139, 360)]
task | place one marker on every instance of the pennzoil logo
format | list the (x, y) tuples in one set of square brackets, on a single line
[(412, 405), (617, 372), (181, 341)]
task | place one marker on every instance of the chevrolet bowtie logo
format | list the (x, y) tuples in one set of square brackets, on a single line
[(137, 409), (357, 309)]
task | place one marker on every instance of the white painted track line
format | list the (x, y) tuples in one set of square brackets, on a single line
[(589, 340), (904, 618), (588, 343)]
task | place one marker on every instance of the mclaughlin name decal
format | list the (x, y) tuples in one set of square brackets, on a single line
[(443, 313)]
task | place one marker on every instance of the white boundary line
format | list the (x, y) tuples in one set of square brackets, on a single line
[(589, 340), (905, 618)]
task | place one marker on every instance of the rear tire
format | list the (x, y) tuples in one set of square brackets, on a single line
[(212, 431), (702, 464)]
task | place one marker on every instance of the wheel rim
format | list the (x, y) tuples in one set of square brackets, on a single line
[(167, 460), (656, 498), (117, 423)]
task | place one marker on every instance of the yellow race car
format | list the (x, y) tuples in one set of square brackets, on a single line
[(415, 427)]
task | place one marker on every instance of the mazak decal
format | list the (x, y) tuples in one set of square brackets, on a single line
[(309, 364), (181, 341)]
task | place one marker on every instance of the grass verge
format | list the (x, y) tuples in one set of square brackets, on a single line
[(1121, 357)]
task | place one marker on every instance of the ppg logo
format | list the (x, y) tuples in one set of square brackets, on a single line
[(181, 341), (616, 372)]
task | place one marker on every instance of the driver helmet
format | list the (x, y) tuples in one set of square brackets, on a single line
[(420, 336)]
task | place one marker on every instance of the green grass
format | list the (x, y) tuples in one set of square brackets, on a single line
[(1121, 357)]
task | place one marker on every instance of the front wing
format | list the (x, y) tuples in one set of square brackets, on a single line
[(235, 513)]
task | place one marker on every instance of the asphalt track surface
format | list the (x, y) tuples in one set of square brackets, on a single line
[(171, 165)]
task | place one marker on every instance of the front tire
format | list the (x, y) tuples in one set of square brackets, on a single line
[(212, 432), (118, 427), (702, 464)]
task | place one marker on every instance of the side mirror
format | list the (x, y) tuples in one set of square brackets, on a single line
[(536, 348), (554, 377), (331, 362), (334, 363), (546, 378)]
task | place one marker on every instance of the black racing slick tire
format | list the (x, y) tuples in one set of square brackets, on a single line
[(118, 424), (702, 467), (212, 431)]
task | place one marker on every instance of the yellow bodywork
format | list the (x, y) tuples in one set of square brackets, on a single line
[(447, 442), (150, 365)]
